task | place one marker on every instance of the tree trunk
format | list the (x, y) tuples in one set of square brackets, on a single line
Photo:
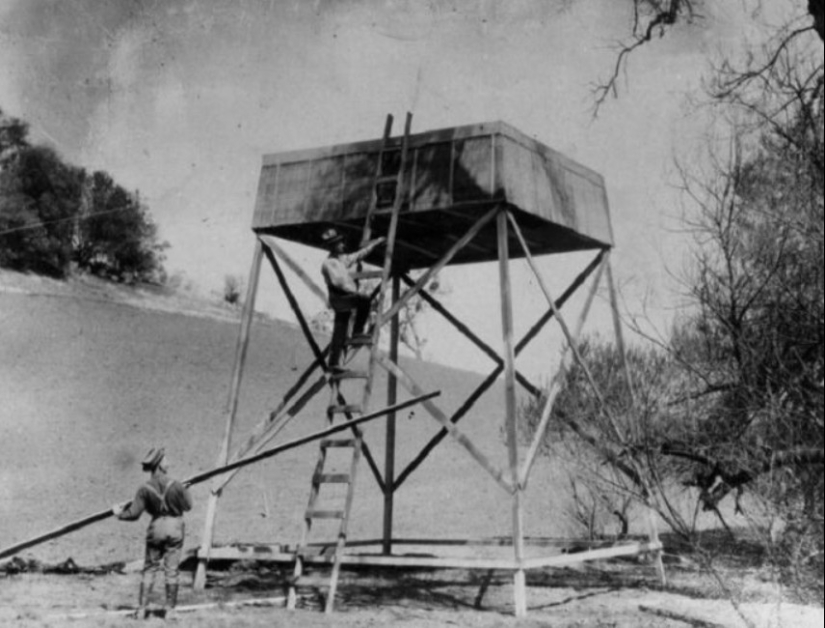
[(817, 9)]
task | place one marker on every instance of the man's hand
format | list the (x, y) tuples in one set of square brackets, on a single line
[(117, 509)]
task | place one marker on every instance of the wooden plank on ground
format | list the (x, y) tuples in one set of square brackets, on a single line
[(605, 553)]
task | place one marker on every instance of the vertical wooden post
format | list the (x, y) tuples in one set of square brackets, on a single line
[(519, 580), (653, 530), (230, 411), (389, 453)]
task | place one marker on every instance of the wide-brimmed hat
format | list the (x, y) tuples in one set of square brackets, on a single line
[(331, 236), (153, 459)]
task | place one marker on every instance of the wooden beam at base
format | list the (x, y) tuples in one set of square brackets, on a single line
[(272, 553), (598, 554)]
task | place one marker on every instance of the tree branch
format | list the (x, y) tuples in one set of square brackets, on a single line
[(664, 15), (721, 480)]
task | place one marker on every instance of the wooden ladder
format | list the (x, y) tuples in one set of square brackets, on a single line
[(335, 453)]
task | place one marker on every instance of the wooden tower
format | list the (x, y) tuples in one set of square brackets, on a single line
[(479, 193)]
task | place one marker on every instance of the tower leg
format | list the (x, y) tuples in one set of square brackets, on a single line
[(519, 580), (389, 455), (231, 410)]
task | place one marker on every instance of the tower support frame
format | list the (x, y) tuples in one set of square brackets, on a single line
[(512, 479)]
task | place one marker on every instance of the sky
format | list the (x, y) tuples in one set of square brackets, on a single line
[(179, 99)]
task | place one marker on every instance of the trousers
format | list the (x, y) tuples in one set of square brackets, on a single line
[(164, 545), (343, 309)]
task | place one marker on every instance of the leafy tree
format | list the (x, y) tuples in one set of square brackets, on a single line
[(115, 236), (39, 196), (53, 213)]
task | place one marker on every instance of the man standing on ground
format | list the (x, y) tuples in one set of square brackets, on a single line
[(165, 500), (344, 296)]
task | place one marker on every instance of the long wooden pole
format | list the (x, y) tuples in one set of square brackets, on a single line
[(231, 411), (232, 466), (519, 577)]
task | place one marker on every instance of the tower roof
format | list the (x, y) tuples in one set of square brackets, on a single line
[(458, 174)]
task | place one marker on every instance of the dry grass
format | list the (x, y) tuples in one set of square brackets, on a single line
[(92, 376)]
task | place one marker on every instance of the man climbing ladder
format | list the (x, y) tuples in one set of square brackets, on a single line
[(344, 297)]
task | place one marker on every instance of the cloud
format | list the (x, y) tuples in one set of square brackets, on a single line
[(180, 98)]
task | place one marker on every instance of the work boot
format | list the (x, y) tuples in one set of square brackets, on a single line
[(171, 600)]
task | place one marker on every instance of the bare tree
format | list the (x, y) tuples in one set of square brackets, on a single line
[(653, 19), (733, 404)]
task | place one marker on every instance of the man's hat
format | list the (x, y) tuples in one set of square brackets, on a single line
[(153, 459), (331, 236)]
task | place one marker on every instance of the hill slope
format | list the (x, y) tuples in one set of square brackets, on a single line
[(94, 375)]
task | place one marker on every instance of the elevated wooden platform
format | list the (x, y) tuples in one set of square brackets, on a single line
[(457, 175)]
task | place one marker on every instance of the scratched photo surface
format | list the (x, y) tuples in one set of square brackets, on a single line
[(227, 120)]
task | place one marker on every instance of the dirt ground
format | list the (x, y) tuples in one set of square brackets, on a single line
[(90, 379), (617, 595)]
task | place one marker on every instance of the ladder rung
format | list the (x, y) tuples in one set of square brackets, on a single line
[(314, 550), (349, 375), (338, 442), (324, 514), (387, 178), (368, 274), (361, 340), (331, 478), (311, 581), (345, 409)]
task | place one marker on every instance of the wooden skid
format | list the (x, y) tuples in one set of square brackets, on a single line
[(605, 553), (442, 562)]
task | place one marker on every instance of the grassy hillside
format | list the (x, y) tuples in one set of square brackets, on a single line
[(92, 376)]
